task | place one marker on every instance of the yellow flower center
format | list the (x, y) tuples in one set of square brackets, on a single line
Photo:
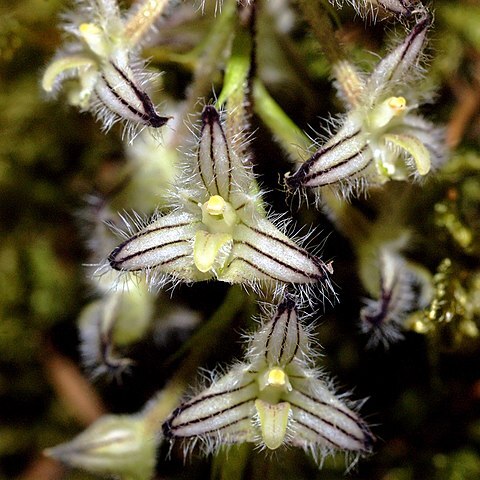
[(273, 383), (386, 111), (397, 104), (276, 377), (94, 37), (215, 205), (213, 244), (218, 215)]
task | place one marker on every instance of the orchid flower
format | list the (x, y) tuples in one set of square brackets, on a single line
[(381, 137), (404, 288), (106, 72), (119, 318), (275, 398), (217, 227)]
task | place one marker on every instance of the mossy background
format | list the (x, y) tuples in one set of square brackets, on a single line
[(424, 393)]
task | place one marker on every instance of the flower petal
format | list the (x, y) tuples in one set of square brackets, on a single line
[(281, 339), (113, 445), (261, 252), (401, 61), (320, 418), (215, 162), (399, 7), (349, 82), (403, 7), (344, 156), (273, 422), (225, 409), (118, 90), (166, 245), (415, 148), (382, 318)]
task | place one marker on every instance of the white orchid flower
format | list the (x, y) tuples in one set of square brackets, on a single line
[(381, 137), (275, 398), (403, 288), (106, 72), (217, 227)]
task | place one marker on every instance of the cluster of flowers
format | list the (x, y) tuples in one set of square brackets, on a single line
[(214, 225)]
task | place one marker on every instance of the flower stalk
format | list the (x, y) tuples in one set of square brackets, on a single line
[(143, 17)]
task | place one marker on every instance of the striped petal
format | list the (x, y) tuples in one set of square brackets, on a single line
[(281, 339), (261, 252), (320, 419), (215, 159), (401, 61), (383, 318), (345, 156), (166, 245), (226, 408), (120, 93)]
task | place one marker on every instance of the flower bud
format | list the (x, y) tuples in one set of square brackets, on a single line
[(114, 444)]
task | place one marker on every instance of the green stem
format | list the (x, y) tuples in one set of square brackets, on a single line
[(197, 349), (206, 66), (231, 463), (321, 25), (235, 83), (348, 219), (143, 17), (289, 136)]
